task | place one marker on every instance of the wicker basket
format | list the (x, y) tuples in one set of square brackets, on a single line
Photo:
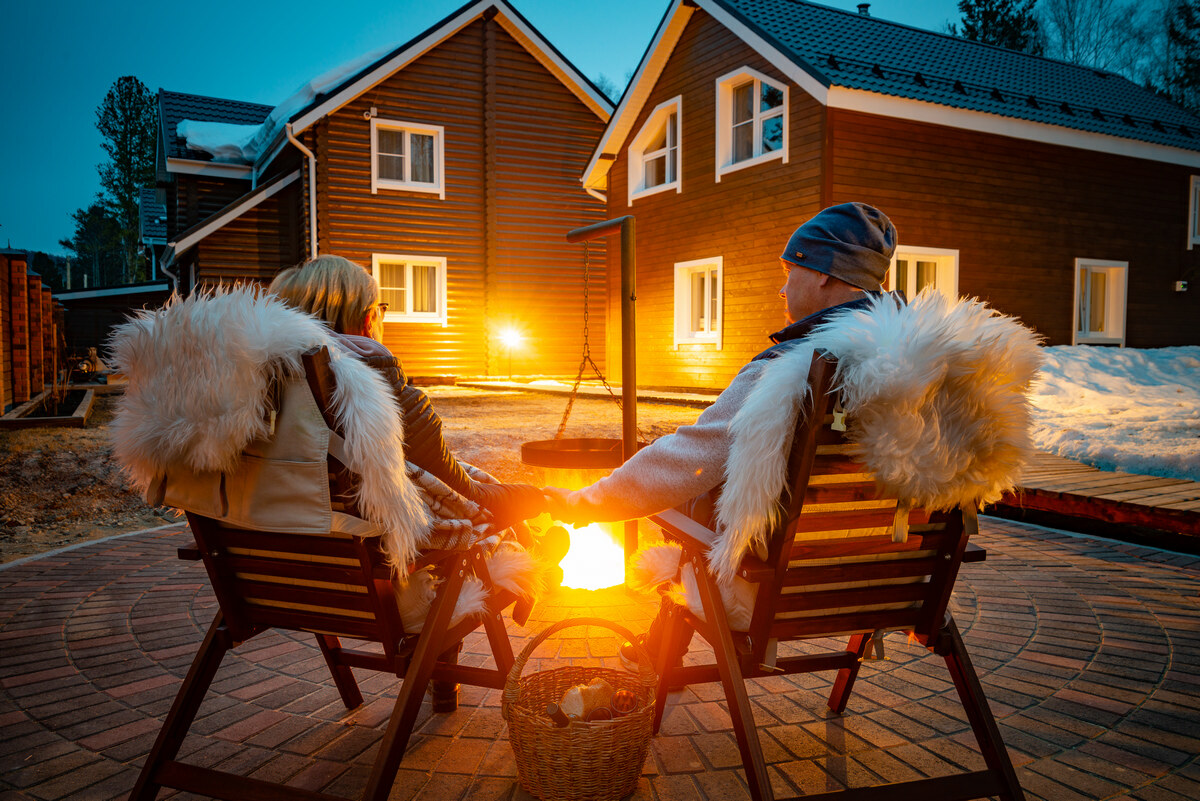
[(581, 761)]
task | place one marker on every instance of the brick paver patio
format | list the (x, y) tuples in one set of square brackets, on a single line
[(1089, 651)]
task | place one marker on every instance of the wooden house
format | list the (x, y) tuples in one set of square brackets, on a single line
[(448, 166), (1067, 196)]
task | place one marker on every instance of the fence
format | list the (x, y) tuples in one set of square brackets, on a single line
[(29, 326)]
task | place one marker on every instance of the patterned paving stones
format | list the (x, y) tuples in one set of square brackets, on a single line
[(1089, 651)]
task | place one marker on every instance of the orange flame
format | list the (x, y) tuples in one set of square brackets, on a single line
[(596, 560)]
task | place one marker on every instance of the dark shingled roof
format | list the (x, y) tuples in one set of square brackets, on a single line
[(152, 215), (174, 107), (855, 51)]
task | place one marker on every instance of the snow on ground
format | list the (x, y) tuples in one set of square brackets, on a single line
[(1121, 408)]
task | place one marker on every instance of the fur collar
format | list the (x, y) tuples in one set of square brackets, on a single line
[(200, 370), (936, 396)]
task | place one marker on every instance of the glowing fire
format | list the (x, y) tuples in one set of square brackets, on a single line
[(595, 560)]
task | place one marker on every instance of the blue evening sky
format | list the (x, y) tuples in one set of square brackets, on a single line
[(61, 56)]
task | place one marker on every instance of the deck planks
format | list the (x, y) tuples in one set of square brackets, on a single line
[(1055, 484)]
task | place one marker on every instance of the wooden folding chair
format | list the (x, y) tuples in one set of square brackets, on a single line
[(336, 585), (833, 570)]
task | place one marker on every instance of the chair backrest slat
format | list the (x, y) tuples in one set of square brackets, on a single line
[(837, 568)]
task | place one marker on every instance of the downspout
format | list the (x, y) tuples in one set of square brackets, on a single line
[(599, 196), (312, 190)]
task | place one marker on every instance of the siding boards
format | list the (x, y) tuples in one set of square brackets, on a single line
[(745, 218), (1021, 212), (540, 138), (254, 246)]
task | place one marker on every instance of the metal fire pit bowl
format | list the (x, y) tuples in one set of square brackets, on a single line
[(585, 453)]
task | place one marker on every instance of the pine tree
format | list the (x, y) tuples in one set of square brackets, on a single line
[(127, 121), (1183, 44), (1007, 23), (96, 245)]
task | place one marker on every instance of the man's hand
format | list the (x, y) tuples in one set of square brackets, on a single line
[(565, 505)]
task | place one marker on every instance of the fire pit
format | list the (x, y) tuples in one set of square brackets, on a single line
[(596, 559)]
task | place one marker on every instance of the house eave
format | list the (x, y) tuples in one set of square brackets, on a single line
[(512, 22), (209, 168), (191, 237)]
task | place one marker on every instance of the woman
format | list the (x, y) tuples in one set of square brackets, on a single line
[(346, 297)]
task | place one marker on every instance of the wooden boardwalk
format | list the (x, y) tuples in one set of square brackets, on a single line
[(1069, 488)]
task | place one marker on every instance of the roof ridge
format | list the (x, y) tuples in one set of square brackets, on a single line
[(213, 97), (947, 35)]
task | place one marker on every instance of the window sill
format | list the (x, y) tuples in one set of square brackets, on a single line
[(396, 186), (391, 317), (654, 190), (714, 340), (754, 162), (1094, 340)]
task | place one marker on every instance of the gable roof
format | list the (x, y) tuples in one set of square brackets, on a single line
[(508, 17), (851, 60), (174, 107)]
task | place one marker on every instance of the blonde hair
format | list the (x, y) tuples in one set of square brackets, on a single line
[(332, 288)]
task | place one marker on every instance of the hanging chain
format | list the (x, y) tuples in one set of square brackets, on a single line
[(587, 351)]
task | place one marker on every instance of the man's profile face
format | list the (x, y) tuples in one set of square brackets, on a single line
[(802, 291)]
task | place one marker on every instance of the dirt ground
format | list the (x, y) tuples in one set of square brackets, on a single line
[(60, 486)]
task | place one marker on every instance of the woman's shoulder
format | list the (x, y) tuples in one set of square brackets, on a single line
[(363, 347)]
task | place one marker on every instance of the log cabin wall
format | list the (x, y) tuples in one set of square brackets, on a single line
[(746, 218), (256, 245), (1021, 212), (515, 143)]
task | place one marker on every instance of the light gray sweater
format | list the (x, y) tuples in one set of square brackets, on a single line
[(674, 468)]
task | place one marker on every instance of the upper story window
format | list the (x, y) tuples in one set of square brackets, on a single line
[(407, 156), (751, 120), (654, 161), (915, 269), (1100, 302), (1194, 213), (698, 302), (414, 287)]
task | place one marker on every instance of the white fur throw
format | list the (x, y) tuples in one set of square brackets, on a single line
[(935, 391), (199, 372)]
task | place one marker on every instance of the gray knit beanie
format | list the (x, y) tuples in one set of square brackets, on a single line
[(853, 242)]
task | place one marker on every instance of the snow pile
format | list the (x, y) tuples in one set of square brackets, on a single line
[(1121, 408), (243, 144)]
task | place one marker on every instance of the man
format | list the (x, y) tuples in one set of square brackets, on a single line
[(833, 262)]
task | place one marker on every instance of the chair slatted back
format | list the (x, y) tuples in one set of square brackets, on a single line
[(333, 584), (837, 570)]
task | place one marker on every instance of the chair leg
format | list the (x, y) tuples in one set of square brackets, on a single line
[(970, 691), (667, 646), (444, 694), (416, 679), (183, 711), (844, 683), (343, 677), (730, 670)]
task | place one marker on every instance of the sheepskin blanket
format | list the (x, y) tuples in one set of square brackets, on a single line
[(936, 397), (200, 372)]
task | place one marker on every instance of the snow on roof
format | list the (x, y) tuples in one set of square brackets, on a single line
[(1129, 409), (243, 144)]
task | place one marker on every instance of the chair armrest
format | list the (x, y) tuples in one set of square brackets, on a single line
[(696, 537), (974, 553), (684, 530)]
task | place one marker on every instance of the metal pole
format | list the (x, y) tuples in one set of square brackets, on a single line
[(624, 225)]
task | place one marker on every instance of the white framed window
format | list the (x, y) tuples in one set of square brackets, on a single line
[(752, 120), (654, 154), (414, 287), (407, 156), (1194, 212), (914, 269), (698, 303), (1100, 302)]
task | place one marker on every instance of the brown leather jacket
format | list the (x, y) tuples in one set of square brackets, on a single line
[(424, 445)]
